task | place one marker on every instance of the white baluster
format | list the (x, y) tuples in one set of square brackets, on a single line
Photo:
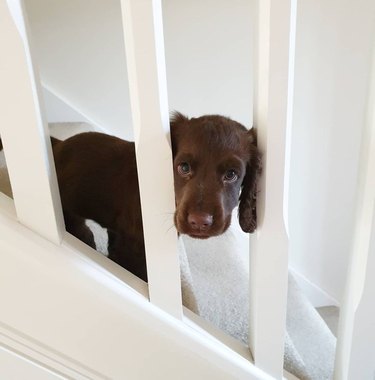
[(144, 45), (272, 118), (356, 340), (24, 130)]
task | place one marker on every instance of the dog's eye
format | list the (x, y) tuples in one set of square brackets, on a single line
[(184, 169), (230, 176)]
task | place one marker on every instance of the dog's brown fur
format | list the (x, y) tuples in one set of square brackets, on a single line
[(216, 164)]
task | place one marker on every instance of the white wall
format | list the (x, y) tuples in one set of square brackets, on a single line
[(332, 70), (208, 56), (80, 50), (59, 111), (82, 60)]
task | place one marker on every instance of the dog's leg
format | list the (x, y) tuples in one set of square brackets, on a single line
[(76, 225), (128, 253)]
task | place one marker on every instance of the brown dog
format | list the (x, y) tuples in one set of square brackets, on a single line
[(216, 164)]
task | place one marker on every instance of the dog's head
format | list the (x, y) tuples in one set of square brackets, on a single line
[(216, 163)]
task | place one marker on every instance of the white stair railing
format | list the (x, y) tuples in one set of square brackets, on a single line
[(26, 142), (356, 341), (144, 43), (146, 68), (24, 131), (272, 117)]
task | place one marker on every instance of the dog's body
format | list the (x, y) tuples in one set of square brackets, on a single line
[(215, 162), (98, 180)]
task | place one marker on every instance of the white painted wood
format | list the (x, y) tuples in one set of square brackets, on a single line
[(356, 342), (64, 311), (269, 246), (144, 45), (15, 366), (23, 129), (362, 354)]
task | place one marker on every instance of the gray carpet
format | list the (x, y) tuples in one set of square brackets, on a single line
[(331, 315), (220, 275), (215, 280)]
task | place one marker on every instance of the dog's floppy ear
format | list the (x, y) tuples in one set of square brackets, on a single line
[(177, 121), (247, 202)]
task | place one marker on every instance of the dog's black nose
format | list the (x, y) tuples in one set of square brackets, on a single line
[(200, 220)]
